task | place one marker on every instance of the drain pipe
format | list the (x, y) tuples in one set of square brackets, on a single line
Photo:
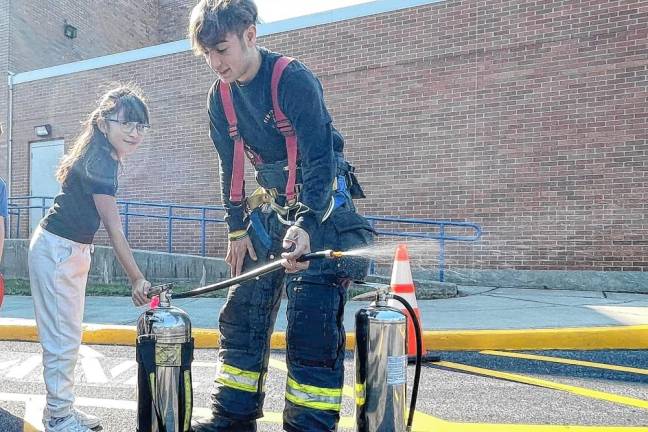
[(10, 83)]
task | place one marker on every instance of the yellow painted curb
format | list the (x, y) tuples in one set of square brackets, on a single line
[(578, 338)]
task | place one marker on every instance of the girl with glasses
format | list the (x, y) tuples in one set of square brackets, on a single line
[(59, 253)]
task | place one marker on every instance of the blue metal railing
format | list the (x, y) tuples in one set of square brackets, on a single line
[(169, 212), (170, 216), (15, 211)]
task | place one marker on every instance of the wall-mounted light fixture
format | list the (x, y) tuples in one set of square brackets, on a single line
[(69, 31), (43, 130)]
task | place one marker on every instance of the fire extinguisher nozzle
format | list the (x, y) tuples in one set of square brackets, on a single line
[(320, 255)]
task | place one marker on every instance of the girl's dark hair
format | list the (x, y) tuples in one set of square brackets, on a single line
[(126, 100), (212, 20)]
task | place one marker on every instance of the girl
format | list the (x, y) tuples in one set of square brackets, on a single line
[(59, 253)]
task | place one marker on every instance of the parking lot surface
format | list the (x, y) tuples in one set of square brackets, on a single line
[(465, 391)]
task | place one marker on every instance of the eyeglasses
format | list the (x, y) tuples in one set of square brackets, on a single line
[(128, 127)]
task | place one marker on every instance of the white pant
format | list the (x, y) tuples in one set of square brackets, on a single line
[(58, 272)]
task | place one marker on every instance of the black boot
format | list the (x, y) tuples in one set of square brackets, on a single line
[(217, 423)]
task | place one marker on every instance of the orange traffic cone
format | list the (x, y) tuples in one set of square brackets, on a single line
[(403, 285)]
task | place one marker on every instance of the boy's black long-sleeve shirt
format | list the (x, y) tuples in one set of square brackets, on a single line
[(302, 101)]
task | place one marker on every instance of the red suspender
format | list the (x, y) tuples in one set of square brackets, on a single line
[(283, 124), (285, 127), (238, 161)]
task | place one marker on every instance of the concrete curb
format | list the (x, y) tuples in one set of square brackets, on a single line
[(577, 338)]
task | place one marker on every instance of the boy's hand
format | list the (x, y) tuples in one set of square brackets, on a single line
[(236, 251), (300, 239)]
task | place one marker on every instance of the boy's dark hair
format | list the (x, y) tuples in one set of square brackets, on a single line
[(212, 20)]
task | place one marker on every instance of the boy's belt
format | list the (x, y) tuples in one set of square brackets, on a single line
[(287, 214)]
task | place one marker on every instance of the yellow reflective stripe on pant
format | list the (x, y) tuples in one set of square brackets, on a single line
[(188, 402), (239, 379), (320, 398)]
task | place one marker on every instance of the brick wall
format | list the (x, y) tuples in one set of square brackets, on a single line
[(526, 117), (174, 19), (103, 28)]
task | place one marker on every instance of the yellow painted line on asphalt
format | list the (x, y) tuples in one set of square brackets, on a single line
[(566, 361), (593, 394), (504, 427), (586, 338)]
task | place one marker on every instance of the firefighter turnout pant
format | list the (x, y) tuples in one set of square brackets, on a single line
[(315, 333)]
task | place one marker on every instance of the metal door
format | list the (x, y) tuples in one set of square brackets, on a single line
[(44, 157)]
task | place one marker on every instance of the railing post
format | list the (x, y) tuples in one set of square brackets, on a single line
[(202, 231), (170, 230), (42, 207), (372, 263), (442, 253), (126, 209)]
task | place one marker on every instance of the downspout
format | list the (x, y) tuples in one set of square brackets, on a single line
[(9, 131), (10, 83)]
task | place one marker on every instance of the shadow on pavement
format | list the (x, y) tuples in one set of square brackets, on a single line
[(11, 423)]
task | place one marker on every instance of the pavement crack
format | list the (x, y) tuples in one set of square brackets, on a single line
[(475, 294), (540, 301)]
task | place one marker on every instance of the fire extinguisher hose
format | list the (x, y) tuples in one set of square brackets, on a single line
[(419, 355), (260, 271)]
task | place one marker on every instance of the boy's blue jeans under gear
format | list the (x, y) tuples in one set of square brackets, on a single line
[(315, 333)]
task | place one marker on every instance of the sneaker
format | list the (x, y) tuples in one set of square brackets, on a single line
[(65, 424), (88, 420)]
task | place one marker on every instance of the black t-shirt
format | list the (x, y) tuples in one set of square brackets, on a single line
[(74, 215)]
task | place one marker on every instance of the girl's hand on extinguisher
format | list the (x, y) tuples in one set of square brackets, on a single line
[(140, 291)]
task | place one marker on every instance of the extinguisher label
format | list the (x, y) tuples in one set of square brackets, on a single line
[(168, 354), (396, 370)]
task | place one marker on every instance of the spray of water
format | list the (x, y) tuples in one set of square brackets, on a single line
[(423, 256), (420, 251)]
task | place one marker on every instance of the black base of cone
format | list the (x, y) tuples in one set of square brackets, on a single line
[(427, 357)]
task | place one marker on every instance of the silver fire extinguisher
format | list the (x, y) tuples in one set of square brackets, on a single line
[(165, 352), (164, 356), (381, 366)]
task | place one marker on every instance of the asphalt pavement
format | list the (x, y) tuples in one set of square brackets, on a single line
[(486, 391)]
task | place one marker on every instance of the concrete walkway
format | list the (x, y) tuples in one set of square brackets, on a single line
[(477, 308), (482, 309)]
